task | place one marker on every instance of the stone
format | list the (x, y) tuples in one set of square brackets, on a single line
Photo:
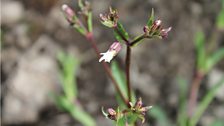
[(35, 77), (11, 12)]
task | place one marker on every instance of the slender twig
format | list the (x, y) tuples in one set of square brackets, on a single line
[(106, 67), (128, 63), (194, 92)]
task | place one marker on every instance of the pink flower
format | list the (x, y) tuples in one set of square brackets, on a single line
[(164, 32)]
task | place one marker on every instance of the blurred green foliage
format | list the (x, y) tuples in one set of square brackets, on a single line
[(220, 18), (68, 101), (206, 61)]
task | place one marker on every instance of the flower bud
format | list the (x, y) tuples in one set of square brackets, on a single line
[(112, 114), (164, 32), (111, 111), (138, 104), (156, 25), (146, 30), (68, 12)]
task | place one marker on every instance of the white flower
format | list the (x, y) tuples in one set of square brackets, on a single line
[(111, 52), (107, 56)]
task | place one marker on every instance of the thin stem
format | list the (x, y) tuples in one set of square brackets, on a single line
[(135, 41), (128, 63), (194, 93), (106, 67)]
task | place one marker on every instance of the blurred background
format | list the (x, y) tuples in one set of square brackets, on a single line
[(34, 32)]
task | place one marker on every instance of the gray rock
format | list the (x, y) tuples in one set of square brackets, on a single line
[(29, 86), (11, 12)]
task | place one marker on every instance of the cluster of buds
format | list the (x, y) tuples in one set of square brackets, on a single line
[(156, 30), (111, 19), (111, 52), (73, 19), (138, 107)]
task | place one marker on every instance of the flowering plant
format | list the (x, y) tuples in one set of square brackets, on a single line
[(153, 29)]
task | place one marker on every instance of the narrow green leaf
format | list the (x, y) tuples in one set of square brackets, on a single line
[(81, 116), (108, 23), (132, 118), (81, 30), (104, 113), (121, 121), (118, 37), (200, 50), (214, 59), (59, 101), (69, 68), (151, 18), (182, 113), (121, 29), (80, 3), (203, 105), (220, 19), (90, 22), (121, 80)]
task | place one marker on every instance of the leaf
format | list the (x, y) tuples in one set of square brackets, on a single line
[(81, 116), (80, 3), (121, 80), (121, 121), (220, 18), (118, 37), (69, 68), (205, 102), (59, 101), (151, 19), (108, 23), (214, 59), (90, 22), (160, 116), (182, 114), (104, 113), (200, 50), (122, 31)]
